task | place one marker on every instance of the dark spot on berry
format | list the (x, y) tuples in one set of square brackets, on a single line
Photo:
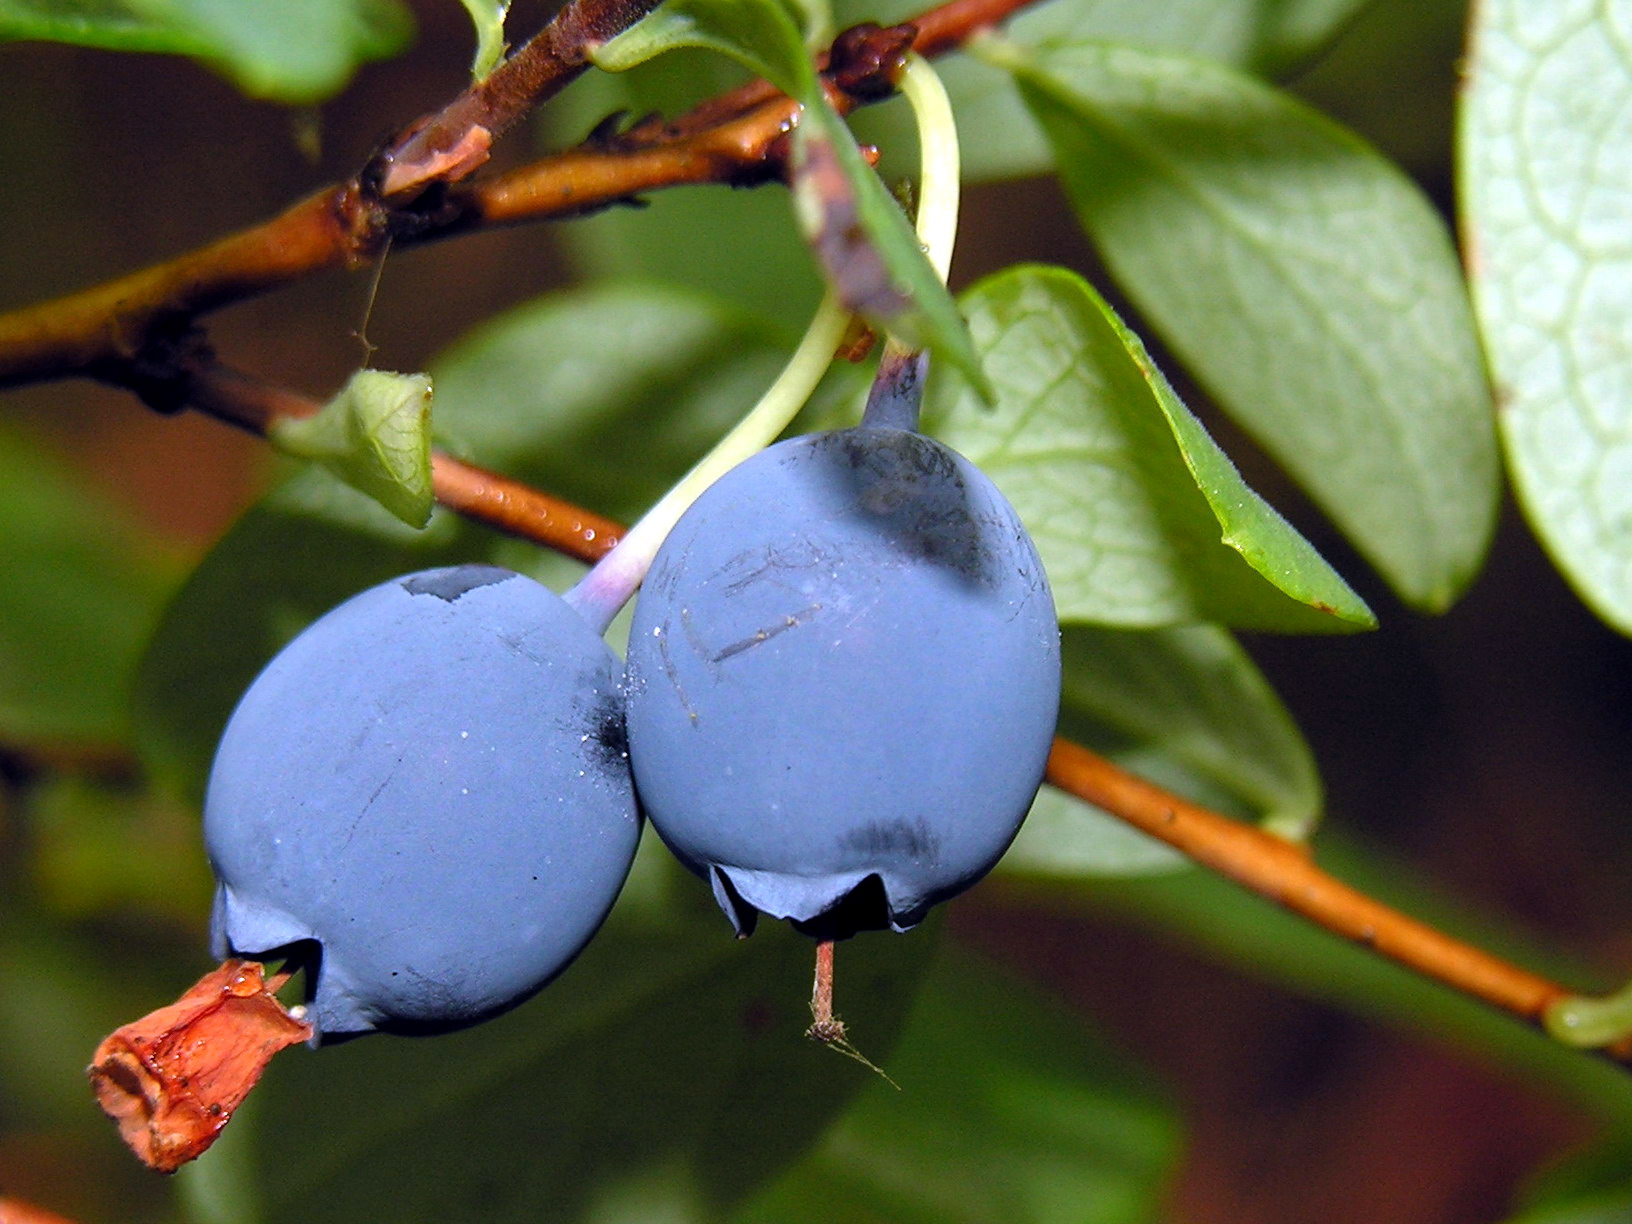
[(608, 739), (449, 584), (911, 838)]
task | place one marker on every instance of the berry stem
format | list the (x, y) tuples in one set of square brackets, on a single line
[(939, 160), (898, 389), (897, 393), (825, 1026), (607, 587)]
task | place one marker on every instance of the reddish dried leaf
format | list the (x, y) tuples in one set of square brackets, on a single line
[(172, 1079), (414, 168)]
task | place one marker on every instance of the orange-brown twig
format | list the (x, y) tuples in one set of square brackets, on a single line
[(1285, 873)]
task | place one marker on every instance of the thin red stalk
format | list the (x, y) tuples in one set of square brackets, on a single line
[(825, 1026)]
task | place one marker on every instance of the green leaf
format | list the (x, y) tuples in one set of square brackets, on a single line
[(298, 51), (1302, 279), (100, 849), (1186, 708), (115, 25), (561, 392), (1008, 1110), (1593, 1187), (83, 586), (759, 34), (867, 248), (663, 1076), (1000, 137), (376, 436), (1141, 520), (1546, 169), (488, 18)]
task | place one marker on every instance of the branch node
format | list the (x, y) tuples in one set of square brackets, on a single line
[(867, 59)]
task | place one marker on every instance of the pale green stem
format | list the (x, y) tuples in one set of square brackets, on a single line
[(939, 160), (608, 586), (1589, 1023), (898, 390)]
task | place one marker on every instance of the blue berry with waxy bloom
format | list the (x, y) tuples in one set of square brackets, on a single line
[(843, 680), (425, 798)]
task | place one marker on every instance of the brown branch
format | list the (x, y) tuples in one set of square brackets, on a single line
[(453, 142), (740, 151), (114, 323), (518, 510), (120, 324), (130, 322), (1284, 873)]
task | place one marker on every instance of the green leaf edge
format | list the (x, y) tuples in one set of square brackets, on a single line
[(1312, 581), (1030, 77)]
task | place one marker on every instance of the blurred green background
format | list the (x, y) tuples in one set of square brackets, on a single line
[(1141, 1049)]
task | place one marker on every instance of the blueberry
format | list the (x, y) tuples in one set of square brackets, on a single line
[(843, 681), (427, 797)]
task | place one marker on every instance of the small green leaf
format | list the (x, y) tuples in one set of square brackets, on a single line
[(1546, 171), (760, 34), (1141, 520), (376, 436), (1186, 708), (297, 51), (1009, 1109), (488, 18), (1303, 280), (83, 586), (868, 249)]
